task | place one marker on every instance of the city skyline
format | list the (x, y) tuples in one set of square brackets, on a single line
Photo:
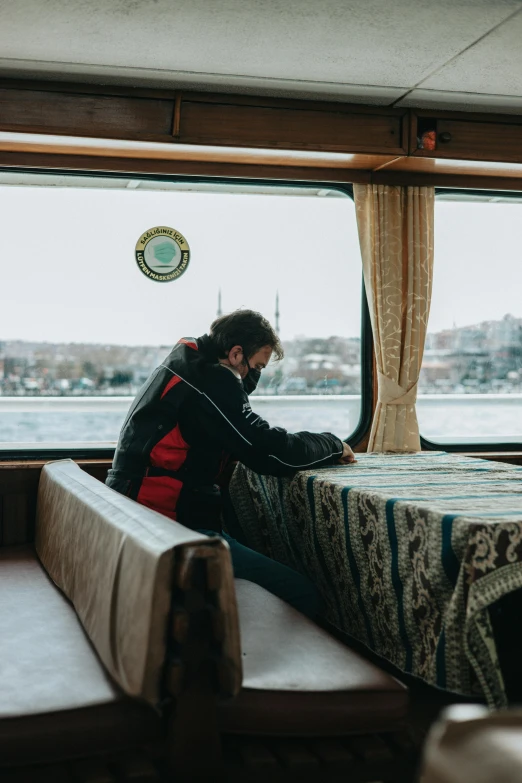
[(454, 328), (486, 356)]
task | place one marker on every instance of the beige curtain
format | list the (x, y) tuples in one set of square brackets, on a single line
[(396, 236)]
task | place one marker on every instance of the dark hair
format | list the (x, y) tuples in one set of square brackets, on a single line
[(246, 328)]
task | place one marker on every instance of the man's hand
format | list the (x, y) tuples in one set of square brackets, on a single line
[(348, 455)]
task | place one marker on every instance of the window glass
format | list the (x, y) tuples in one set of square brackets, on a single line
[(82, 327), (470, 388)]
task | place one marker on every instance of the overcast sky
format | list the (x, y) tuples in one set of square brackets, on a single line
[(69, 271), (477, 272), (69, 268)]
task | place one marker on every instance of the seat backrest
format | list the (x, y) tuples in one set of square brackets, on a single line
[(119, 562)]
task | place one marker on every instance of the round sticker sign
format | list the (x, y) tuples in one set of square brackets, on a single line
[(162, 254)]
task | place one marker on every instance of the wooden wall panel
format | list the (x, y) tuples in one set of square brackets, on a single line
[(236, 121), (77, 114), (200, 118), (18, 493), (478, 141), (466, 136), (17, 511), (289, 128)]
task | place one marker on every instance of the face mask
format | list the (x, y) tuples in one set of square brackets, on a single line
[(251, 380)]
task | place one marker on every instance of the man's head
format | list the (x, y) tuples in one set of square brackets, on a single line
[(245, 341)]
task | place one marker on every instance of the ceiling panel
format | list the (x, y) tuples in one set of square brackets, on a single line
[(461, 101), (493, 65), (348, 42)]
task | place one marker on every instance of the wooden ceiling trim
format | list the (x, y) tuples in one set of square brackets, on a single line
[(246, 130), (455, 167), (76, 146), (487, 182), (283, 128), (474, 137), (182, 168), (200, 118), (188, 168), (387, 163)]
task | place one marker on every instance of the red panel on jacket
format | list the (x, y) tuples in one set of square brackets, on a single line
[(173, 382), (160, 493), (170, 452), (190, 343)]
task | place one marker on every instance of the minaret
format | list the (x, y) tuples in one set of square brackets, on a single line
[(219, 310), (277, 313)]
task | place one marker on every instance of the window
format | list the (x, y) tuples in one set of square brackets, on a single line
[(470, 389), (82, 327)]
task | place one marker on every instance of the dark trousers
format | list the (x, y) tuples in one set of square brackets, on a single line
[(294, 588)]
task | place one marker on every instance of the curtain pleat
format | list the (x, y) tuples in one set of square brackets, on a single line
[(396, 236)]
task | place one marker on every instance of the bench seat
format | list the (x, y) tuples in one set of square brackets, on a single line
[(56, 700), (122, 608), (300, 681)]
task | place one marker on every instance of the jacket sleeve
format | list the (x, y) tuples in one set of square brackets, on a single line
[(225, 413)]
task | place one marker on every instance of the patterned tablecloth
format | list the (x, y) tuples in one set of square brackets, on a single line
[(408, 551)]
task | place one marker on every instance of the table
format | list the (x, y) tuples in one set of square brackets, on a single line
[(408, 552)]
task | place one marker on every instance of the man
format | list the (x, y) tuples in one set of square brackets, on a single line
[(192, 417)]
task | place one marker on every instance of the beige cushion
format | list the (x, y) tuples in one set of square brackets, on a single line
[(46, 661), (470, 745), (113, 558), (298, 680), (56, 699)]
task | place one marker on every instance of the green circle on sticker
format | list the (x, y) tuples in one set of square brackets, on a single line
[(164, 252)]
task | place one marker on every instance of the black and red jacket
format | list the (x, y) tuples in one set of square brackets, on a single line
[(187, 422)]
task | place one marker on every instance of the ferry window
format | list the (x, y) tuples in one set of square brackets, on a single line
[(82, 327), (470, 388)]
